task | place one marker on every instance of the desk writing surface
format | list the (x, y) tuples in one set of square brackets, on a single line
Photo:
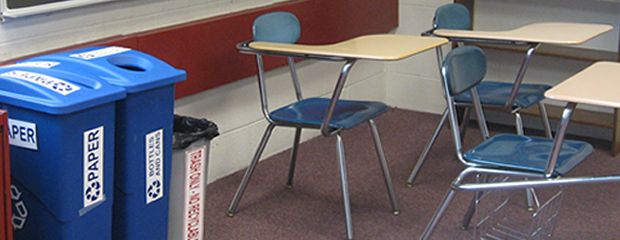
[(599, 84), (383, 47), (548, 32)]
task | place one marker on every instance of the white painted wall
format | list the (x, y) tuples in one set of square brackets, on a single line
[(234, 107), (414, 83)]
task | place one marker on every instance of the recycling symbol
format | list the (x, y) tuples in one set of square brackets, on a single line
[(20, 211), (154, 189), (93, 192)]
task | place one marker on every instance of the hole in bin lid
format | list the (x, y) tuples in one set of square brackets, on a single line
[(133, 70), (131, 63)]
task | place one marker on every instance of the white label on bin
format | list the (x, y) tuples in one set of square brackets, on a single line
[(93, 166), (193, 207), (23, 134), (38, 64), (60, 86), (154, 166), (100, 53)]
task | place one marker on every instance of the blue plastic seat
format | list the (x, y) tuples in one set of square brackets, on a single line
[(311, 112), (527, 153), (497, 93)]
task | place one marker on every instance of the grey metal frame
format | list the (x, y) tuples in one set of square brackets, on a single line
[(324, 128), (531, 179)]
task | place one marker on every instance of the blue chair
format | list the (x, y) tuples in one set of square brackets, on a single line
[(503, 154), (329, 115), (492, 94)]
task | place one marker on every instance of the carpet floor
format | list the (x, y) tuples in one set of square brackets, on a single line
[(312, 209)]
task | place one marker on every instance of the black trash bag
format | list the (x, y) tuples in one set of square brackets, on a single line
[(188, 130)]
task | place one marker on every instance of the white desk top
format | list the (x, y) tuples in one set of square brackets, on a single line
[(550, 32), (384, 47), (599, 84)]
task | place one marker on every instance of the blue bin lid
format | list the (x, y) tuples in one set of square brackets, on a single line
[(53, 91), (133, 70)]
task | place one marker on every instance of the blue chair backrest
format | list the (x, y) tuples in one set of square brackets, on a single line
[(452, 16), (281, 27), (464, 68)]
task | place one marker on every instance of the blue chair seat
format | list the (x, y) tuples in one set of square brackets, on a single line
[(527, 153), (497, 93), (310, 113)]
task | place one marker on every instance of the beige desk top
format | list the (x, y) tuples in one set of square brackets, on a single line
[(549, 32), (384, 47), (599, 84)]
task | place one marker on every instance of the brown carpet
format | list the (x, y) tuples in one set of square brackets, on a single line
[(313, 208)]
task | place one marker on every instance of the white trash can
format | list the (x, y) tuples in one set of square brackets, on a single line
[(189, 178)]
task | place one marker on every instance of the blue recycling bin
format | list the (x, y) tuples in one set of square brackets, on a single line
[(144, 132), (61, 133)]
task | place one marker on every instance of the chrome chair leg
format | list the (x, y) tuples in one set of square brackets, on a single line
[(344, 186), (427, 149), (438, 214), (291, 170), (249, 171), (532, 199), (465, 122), (519, 123), (545, 119), (473, 205), (384, 166), (529, 191)]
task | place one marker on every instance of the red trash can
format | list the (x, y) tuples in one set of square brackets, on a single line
[(6, 229)]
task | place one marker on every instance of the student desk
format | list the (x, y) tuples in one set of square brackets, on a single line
[(381, 47), (378, 47), (596, 85), (532, 36)]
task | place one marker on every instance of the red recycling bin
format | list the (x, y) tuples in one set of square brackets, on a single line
[(6, 231)]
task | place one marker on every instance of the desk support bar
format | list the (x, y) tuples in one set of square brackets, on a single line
[(521, 74), (559, 139), (291, 66), (325, 129), (262, 87), (482, 121), (483, 41)]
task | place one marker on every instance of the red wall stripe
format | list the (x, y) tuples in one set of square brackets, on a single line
[(206, 48)]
